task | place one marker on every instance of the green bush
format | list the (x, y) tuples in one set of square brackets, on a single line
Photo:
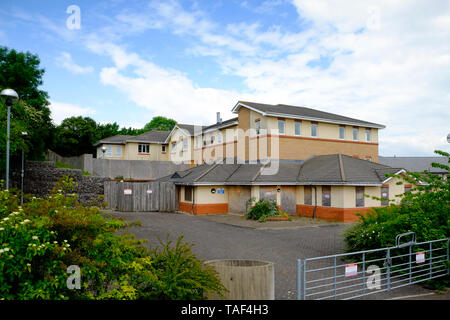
[(261, 209), (39, 240), (424, 210)]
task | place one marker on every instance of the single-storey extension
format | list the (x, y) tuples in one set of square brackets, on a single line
[(332, 187)]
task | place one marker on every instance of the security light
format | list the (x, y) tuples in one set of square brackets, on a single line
[(10, 96)]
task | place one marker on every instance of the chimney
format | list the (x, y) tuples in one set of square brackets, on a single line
[(219, 120)]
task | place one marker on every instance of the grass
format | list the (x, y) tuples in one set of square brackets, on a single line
[(59, 164)]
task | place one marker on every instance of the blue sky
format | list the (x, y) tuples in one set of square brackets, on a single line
[(381, 61)]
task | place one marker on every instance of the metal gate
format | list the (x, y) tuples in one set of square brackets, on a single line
[(357, 274), (141, 196)]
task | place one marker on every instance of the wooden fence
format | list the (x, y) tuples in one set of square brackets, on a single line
[(141, 196)]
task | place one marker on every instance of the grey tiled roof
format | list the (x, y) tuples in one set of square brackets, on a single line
[(326, 169), (151, 136), (222, 124), (415, 164), (118, 139), (307, 113)]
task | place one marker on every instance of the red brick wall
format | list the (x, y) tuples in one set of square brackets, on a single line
[(330, 213)]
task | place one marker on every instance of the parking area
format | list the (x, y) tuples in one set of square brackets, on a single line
[(225, 237)]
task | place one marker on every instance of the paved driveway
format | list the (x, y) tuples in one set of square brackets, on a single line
[(218, 240)]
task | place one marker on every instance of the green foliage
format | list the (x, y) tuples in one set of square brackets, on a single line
[(44, 236), (424, 210), (20, 71), (161, 124), (261, 209)]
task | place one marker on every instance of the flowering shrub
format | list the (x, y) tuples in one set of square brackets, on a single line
[(39, 240)]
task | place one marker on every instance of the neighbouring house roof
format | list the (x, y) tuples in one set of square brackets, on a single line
[(335, 169), (416, 164), (147, 137), (153, 136), (221, 125), (117, 139), (296, 112)]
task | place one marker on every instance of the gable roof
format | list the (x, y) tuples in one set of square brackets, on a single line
[(296, 112), (221, 125), (334, 169)]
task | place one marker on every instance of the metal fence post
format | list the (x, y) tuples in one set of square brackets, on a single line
[(304, 280), (364, 271), (431, 259), (388, 269), (334, 276), (299, 279), (410, 263)]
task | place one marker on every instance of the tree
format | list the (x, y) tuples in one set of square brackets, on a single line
[(160, 123), (21, 72), (76, 136)]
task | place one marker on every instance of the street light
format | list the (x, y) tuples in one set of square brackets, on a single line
[(104, 162), (11, 98), (24, 134)]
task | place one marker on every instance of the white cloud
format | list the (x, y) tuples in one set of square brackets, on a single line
[(65, 60), (388, 63), (61, 111)]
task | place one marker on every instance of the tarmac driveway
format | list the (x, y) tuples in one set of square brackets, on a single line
[(216, 239)]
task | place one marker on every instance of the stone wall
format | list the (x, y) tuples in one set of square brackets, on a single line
[(40, 178)]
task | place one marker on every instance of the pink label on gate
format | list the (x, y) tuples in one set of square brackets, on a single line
[(420, 257), (351, 270), (127, 192)]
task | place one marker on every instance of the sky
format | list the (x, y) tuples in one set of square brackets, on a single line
[(127, 61)]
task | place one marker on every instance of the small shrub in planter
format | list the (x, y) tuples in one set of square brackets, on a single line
[(261, 209)]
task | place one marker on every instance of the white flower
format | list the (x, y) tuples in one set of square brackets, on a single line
[(34, 237), (1, 229), (5, 219), (6, 249), (1, 251), (65, 240)]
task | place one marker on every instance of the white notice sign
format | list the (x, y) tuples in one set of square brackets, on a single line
[(149, 191), (420, 257), (351, 270), (127, 192)]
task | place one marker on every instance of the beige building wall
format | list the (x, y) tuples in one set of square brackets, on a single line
[(179, 154), (203, 195)]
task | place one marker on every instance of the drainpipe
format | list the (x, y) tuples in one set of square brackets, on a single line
[(193, 199), (315, 202)]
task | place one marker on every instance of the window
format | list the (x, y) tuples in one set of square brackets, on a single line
[(326, 196), (281, 126), (308, 195), (359, 197), (185, 144), (204, 140), (385, 196), (341, 132), (314, 129), (118, 151), (212, 138), (258, 127), (297, 128), (108, 151), (367, 135), (219, 137), (143, 148), (163, 148), (355, 134), (188, 193), (174, 146), (408, 188)]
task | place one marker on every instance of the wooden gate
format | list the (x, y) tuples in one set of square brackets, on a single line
[(141, 196)]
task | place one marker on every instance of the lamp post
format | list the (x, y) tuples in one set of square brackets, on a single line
[(24, 134), (104, 162), (11, 98)]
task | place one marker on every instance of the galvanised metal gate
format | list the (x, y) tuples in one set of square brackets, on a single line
[(357, 274)]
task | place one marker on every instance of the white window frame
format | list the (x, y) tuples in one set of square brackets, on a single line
[(118, 151), (355, 130), (368, 134), (163, 148), (258, 127), (280, 121), (299, 124), (109, 151), (185, 144), (316, 125), (342, 132), (143, 147)]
